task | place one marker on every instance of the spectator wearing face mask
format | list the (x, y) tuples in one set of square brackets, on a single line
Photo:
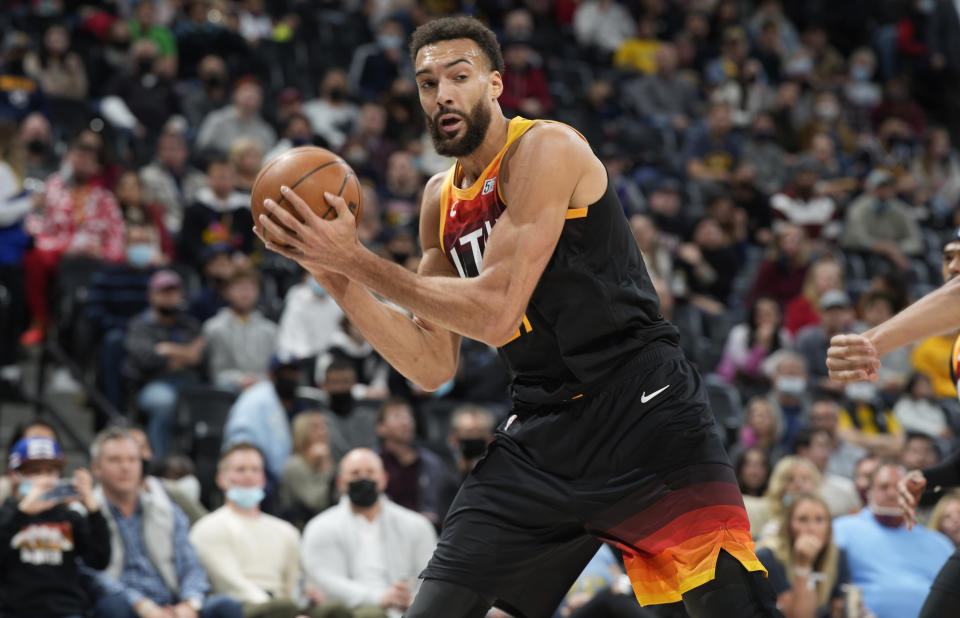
[(115, 295), (894, 566), (296, 133), (332, 114), (240, 340), (367, 551), (137, 209), (836, 316), (878, 223), (348, 344), (249, 555), (261, 415), (42, 538), (790, 397), (309, 319), (838, 492), (374, 66), (355, 421), (164, 351)]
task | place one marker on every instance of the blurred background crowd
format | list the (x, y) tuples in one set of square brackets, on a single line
[(787, 168)]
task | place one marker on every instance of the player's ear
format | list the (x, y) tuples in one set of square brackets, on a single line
[(496, 84)]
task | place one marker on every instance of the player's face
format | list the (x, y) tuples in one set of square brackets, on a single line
[(456, 88), (951, 260)]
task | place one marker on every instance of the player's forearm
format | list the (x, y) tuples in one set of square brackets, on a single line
[(934, 314), (425, 356), (464, 306)]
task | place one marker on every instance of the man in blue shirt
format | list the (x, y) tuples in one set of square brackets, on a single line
[(893, 566), (154, 571)]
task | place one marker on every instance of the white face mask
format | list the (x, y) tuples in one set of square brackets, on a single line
[(860, 391), (791, 385), (190, 487)]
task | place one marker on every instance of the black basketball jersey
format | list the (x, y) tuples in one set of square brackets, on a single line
[(594, 306)]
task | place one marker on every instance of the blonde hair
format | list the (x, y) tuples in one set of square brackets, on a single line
[(809, 285), (827, 561), (936, 517), (239, 146), (780, 478), (302, 425)]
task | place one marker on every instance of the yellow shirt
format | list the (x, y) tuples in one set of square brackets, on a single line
[(932, 357), (865, 418), (638, 54)]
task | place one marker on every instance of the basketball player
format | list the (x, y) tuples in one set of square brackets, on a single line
[(857, 357), (525, 247)]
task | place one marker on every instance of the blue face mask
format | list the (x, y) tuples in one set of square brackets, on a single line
[(25, 486), (390, 41), (317, 288), (245, 497), (861, 73), (139, 255)]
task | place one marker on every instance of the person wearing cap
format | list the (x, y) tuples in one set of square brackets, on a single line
[(837, 315), (853, 358), (42, 536), (164, 351), (261, 415), (878, 223), (239, 338)]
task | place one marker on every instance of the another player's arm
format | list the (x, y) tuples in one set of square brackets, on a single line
[(423, 352), (853, 357), (544, 171)]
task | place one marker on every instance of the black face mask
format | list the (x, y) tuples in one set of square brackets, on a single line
[(341, 403), (363, 492), (337, 94), (286, 387), (37, 147), (145, 66), (168, 312), (214, 81), (472, 447), (399, 256)]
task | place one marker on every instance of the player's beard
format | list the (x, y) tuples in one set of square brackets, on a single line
[(475, 129)]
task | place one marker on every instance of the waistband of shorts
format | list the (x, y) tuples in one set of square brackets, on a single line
[(653, 353)]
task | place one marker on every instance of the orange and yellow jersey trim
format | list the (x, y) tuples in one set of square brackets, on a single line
[(955, 363)]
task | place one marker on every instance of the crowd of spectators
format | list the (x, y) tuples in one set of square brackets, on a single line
[(787, 168)]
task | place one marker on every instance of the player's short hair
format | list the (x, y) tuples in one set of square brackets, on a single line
[(450, 28)]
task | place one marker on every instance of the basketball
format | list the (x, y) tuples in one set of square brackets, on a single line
[(309, 171)]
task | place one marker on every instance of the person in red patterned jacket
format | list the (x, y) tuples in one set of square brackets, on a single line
[(79, 218)]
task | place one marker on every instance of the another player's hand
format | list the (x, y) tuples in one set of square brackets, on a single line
[(316, 243), (852, 358), (909, 490)]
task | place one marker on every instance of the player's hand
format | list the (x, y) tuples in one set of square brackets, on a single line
[(909, 490), (852, 358), (316, 243)]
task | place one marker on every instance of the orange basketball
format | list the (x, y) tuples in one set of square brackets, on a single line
[(309, 171)]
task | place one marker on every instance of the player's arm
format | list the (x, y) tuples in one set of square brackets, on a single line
[(423, 352), (855, 357), (542, 173)]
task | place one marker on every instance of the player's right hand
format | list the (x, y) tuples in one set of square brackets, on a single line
[(852, 358), (909, 490)]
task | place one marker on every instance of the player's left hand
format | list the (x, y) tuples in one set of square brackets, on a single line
[(314, 243)]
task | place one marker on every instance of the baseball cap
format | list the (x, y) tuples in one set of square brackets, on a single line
[(34, 449), (833, 299), (878, 177), (283, 361), (289, 95), (164, 280)]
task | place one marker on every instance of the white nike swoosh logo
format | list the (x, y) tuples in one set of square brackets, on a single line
[(644, 398)]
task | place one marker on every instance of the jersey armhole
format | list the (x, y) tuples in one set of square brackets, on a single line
[(445, 205)]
